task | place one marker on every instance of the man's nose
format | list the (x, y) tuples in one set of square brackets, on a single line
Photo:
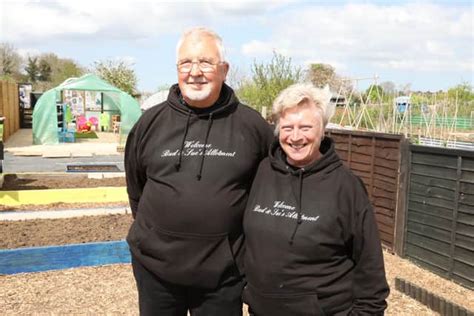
[(195, 70)]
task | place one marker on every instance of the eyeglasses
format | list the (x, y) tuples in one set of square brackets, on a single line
[(203, 65)]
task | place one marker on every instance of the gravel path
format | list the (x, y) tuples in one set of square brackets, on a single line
[(111, 290)]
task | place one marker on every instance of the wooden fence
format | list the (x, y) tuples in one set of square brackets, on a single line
[(9, 108), (379, 160), (440, 213)]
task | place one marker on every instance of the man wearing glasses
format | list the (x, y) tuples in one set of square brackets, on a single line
[(189, 163)]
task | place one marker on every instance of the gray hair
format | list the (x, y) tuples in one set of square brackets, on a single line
[(301, 94), (196, 32)]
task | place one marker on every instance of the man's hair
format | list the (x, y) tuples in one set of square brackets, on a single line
[(197, 32), (301, 94)]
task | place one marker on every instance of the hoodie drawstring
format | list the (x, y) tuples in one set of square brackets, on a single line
[(298, 198), (177, 165), (209, 124)]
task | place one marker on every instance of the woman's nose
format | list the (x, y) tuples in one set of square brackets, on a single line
[(295, 134)]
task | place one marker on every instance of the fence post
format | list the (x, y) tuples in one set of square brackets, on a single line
[(402, 197)]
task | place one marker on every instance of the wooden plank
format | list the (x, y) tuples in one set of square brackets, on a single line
[(466, 188), (427, 265), (361, 141), (385, 179), (386, 220), (433, 182), (366, 168), (387, 186), (361, 158), (434, 201), (390, 154), (378, 192), (426, 256), (384, 211), (392, 165), (431, 210), (463, 281), (384, 202), (467, 163), (428, 191), (431, 232), (466, 271), (467, 176), (2, 103), (429, 220), (467, 209), (466, 219), (383, 142), (386, 172), (464, 255), (435, 172), (447, 161), (36, 259), (424, 242), (466, 242), (466, 230)]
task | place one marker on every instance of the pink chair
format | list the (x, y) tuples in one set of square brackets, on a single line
[(94, 121), (81, 123)]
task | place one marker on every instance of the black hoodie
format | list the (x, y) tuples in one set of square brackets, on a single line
[(312, 244), (188, 207)]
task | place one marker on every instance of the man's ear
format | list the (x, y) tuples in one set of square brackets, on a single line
[(225, 69)]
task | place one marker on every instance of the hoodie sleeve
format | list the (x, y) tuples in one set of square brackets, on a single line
[(370, 286), (134, 173)]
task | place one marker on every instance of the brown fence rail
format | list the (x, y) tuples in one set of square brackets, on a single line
[(377, 159), (440, 212), (9, 108)]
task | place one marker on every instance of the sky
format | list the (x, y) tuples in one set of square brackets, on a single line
[(426, 44)]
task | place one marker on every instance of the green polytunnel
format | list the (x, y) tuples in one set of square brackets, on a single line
[(45, 115)]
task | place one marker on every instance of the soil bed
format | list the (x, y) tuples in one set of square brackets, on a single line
[(48, 232), (13, 182)]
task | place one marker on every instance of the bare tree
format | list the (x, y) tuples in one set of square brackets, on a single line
[(10, 61)]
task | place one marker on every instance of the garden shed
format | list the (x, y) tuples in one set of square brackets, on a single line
[(46, 125)]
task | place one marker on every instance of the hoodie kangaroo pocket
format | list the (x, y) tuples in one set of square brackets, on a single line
[(298, 304), (185, 259)]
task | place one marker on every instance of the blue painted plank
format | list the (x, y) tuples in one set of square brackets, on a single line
[(37, 259)]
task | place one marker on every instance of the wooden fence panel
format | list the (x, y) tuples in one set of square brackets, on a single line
[(9, 108), (440, 212), (376, 158)]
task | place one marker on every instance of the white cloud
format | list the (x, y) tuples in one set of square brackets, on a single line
[(408, 36)]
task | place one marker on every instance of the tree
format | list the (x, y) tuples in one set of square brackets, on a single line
[(374, 93), (44, 70), (32, 69), (321, 75), (117, 73), (268, 80), (10, 62)]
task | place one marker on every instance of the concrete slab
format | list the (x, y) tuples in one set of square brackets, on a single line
[(28, 215)]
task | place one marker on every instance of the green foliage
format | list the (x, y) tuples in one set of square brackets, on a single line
[(44, 70), (462, 93), (32, 69), (321, 75), (118, 74), (10, 62), (374, 93), (268, 80)]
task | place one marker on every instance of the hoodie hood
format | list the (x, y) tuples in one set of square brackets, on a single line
[(328, 162), (325, 164), (226, 103)]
